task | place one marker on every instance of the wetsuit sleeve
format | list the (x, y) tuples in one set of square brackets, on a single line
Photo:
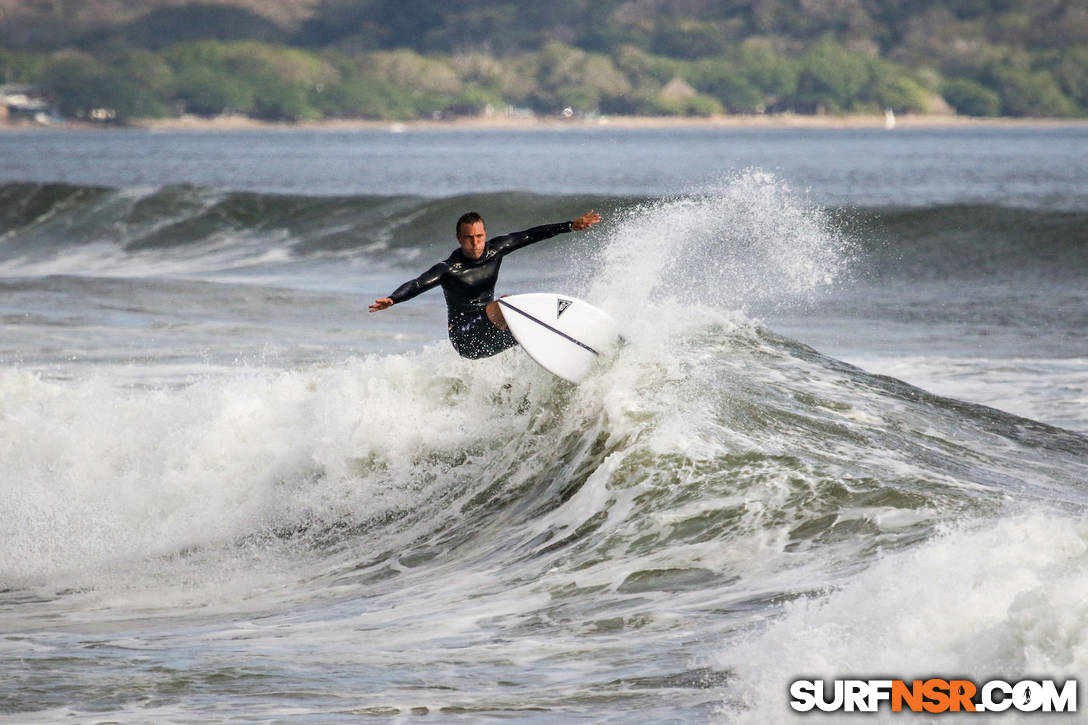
[(420, 284), (509, 242)]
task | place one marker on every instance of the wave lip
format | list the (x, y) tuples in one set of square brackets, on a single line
[(700, 432)]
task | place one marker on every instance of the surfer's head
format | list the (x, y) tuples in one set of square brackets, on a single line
[(471, 235)]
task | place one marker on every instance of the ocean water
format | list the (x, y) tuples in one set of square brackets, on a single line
[(847, 435)]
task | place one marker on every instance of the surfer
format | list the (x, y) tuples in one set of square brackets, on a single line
[(476, 325)]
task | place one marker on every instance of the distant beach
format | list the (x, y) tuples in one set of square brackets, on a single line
[(522, 123), (552, 123)]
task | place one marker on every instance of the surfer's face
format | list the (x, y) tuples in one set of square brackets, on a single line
[(472, 238)]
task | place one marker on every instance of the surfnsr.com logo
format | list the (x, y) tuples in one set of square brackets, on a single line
[(935, 695)]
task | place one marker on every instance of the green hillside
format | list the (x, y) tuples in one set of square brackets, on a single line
[(403, 59)]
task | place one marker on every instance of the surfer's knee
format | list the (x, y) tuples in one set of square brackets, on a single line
[(494, 313)]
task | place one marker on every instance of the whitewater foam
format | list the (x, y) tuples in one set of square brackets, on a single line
[(1004, 599)]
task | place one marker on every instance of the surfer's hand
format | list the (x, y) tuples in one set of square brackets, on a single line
[(585, 221), (381, 304)]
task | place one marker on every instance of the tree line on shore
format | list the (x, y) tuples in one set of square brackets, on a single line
[(380, 59)]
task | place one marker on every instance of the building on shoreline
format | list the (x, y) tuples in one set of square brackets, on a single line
[(21, 103)]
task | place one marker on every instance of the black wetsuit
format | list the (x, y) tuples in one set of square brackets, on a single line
[(469, 284)]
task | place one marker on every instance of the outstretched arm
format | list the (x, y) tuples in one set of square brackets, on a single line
[(411, 288), (517, 240)]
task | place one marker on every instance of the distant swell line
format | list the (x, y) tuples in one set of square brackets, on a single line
[(51, 220)]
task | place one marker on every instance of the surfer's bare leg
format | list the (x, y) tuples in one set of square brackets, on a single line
[(494, 313)]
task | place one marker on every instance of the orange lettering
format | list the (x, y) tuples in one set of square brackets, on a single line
[(961, 693), (936, 691), (911, 695)]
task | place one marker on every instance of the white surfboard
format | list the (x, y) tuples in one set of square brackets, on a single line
[(563, 334)]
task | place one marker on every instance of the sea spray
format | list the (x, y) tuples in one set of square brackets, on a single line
[(748, 240)]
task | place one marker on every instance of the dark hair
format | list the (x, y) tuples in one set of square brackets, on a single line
[(468, 218)]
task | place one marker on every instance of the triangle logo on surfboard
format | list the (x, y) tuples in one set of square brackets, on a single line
[(561, 307)]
